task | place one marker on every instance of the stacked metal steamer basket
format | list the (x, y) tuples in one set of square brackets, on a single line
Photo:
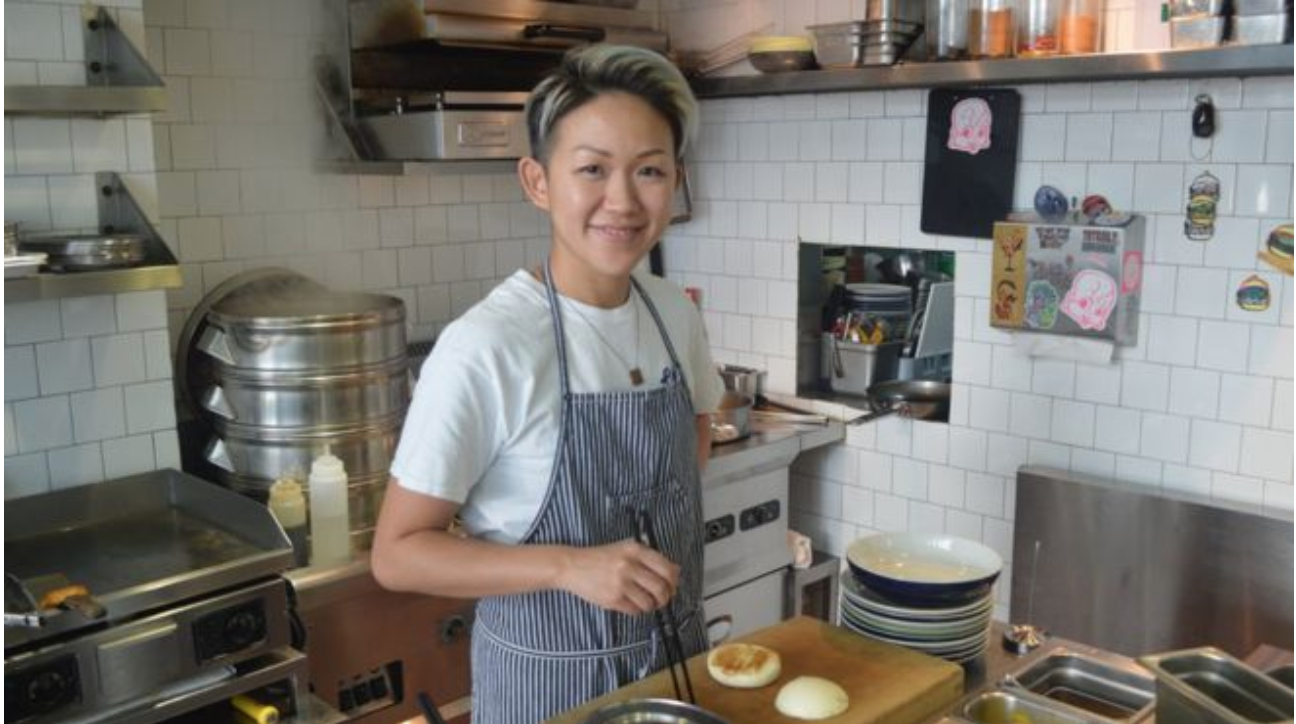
[(282, 370)]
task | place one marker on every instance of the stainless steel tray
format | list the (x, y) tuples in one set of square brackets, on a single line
[(1106, 688), (139, 543), (1207, 686)]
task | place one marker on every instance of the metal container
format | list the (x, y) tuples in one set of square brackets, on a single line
[(1193, 8), (1106, 688), (295, 400), (1269, 29), (364, 498), (1207, 686), (653, 711), (731, 421), (909, 11), (1198, 31), (1261, 7), (947, 29), (862, 42), (86, 252), (267, 453), (854, 368), (1002, 707), (305, 331), (747, 380)]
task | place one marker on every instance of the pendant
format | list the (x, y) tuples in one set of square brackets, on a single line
[(636, 377)]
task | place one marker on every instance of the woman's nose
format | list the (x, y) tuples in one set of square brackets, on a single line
[(620, 193)]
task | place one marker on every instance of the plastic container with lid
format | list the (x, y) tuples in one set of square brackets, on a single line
[(288, 505), (329, 515), (1080, 27), (992, 29), (1037, 28)]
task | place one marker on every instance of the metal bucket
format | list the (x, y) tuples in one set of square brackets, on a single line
[(854, 368), (267, 453), (309, 399), (307, 330)]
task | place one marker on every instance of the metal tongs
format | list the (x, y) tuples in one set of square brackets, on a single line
[(665, 619)]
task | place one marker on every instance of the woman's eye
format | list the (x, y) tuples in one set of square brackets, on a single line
[(652, 172), (590, 170)]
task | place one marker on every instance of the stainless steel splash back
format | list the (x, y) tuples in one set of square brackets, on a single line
[(1137, 570)]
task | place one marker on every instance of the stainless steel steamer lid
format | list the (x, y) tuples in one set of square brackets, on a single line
[(305, 308)]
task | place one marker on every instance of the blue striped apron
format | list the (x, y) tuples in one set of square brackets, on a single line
[(538, 654)]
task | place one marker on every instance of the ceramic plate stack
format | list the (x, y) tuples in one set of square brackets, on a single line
[(929, 593)]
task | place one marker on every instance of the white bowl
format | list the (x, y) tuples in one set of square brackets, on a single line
[(922, 568)]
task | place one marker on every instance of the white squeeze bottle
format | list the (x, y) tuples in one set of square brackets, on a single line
[(329, 520), (288, 506)]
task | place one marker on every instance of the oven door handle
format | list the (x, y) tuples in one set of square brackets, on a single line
[(566, 32)]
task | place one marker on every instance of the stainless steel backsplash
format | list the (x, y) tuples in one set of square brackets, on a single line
[(1138, 570)]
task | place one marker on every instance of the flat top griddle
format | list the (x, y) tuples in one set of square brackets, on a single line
[(138, 544)]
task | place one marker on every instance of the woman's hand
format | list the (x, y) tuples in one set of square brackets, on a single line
[(626, 577)]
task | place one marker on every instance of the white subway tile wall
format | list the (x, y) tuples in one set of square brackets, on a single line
[(1202, 403)]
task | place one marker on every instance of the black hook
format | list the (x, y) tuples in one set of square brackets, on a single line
[(1203, 117)]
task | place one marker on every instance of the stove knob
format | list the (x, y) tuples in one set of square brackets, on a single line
[(48, 689), (243, 629)]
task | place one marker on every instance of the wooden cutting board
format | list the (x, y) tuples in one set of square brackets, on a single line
[(887, 684)]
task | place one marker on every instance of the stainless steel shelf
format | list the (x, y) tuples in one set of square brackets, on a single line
[(118, 78), (82, 284), (1251, 60), (418, 168)]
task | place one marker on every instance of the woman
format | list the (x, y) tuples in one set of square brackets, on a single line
[(570, 400)]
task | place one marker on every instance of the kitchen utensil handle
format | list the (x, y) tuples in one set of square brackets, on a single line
[(429, 709)]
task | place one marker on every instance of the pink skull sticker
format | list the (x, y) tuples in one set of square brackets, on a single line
[(970, 122), (1091, 299)]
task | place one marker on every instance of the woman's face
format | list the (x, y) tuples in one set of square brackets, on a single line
[(608, 186)]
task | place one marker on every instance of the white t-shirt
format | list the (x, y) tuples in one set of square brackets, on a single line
[(482, 428)]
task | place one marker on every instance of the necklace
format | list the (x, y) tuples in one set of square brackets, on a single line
[(636, 375)]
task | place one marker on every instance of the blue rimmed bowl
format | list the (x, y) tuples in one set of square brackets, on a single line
[(924, 570)]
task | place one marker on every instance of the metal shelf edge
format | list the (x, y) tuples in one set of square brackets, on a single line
[(83, 100), (1242, 61), (82, 284)]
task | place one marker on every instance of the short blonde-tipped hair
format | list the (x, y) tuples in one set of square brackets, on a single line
[(589, 71)]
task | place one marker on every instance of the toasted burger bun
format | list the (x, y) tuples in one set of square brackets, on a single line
[(810, 697), (743, 666)]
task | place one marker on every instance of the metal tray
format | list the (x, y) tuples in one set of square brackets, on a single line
[(1207, 686), (1004, 707), (1105, 688), (139, 543)]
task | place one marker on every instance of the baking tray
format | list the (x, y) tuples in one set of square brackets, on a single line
[(1207, 686), (1105, 687), (138, 544)]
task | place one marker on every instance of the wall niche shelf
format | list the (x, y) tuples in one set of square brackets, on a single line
[(1238, 61), (118, 78), (118, 214)]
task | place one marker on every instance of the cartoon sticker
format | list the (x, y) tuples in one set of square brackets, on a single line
[(1203, 201), (1011, 240), (1131, 272), (1091, 299), (1041, 305), (1253, 294), (970, 122)]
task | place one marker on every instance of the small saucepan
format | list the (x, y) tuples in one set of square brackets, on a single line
[(746, 380), (916, 399)]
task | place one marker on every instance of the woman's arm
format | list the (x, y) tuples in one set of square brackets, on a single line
[(703, 423), (414, 551)]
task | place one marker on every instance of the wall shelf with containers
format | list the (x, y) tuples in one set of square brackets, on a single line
[(1239, 61), (118, 78), (120, 217)]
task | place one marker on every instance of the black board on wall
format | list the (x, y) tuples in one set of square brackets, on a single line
[(968, 177)]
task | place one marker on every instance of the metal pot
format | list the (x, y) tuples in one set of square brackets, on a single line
[(731, 422), (653, 711), (917, 399), (747, 380), (267, 453), (294, 400), (306, 331)]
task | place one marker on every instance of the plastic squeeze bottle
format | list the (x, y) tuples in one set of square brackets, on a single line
[(329, 518), (288, 506)]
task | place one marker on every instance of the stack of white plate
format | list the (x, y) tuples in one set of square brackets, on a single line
[(957, 633), (928, 592)]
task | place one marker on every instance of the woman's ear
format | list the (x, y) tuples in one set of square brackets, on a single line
[(681, 172), (531, 173)]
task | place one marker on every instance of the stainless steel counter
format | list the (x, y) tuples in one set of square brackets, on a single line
[(771, 445)]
